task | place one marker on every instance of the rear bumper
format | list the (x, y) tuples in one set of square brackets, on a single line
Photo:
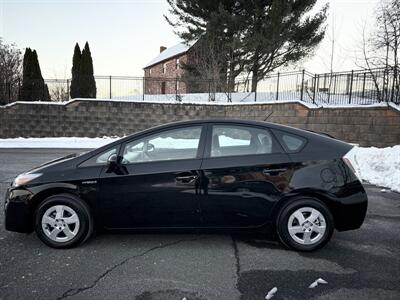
[(350, 212), (17, 211)]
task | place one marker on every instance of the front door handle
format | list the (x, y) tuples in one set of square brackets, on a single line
[(273, 171), (186, 179)]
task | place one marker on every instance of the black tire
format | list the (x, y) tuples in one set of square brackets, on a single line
[(283, 220), (77, 205)]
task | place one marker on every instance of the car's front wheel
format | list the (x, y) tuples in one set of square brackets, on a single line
[(305, 224), (63, 221)]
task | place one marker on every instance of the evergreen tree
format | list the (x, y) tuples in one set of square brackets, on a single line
[(87, 84), (279, 33), (33, 86), (219, 24), (76, 65), (257, 36)]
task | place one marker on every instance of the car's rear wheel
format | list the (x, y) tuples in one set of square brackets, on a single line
[(305, 224), (63, 221)]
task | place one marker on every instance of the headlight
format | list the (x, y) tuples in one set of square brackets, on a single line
[(25, 178)]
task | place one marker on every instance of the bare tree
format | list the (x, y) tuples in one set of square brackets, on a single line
[(388, 41), (381, 49), (332, 38), (10, 72), (207, 64), (59, 90), (368, 59)]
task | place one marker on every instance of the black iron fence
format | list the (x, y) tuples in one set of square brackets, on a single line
[(354, 87)]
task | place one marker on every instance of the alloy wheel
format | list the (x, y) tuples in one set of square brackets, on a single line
[(60, 223), (306, 225)]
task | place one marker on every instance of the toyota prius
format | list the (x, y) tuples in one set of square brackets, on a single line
[(205, 174)]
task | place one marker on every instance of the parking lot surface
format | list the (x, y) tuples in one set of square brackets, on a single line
[(361, 264)]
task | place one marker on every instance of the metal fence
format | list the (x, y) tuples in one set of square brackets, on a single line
[(354, 87)]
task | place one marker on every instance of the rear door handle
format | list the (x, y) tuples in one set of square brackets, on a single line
[(271, 171)]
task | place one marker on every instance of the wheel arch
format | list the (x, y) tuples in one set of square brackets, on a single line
[(72, 200), (45, 192), (312, 194)]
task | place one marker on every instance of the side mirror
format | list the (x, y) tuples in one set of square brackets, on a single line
[(112, 163), (112, 159)]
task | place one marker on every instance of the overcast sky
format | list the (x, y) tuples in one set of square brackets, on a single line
[(125, 35)]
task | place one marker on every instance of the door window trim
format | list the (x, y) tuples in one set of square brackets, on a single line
[(200, 147), (207, 151)]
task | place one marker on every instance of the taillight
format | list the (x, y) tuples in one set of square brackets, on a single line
[(348, 163)]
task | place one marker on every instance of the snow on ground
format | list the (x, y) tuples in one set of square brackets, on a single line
[(322, 99), (379, 166), (246, 97), (237, 99), (91, 143), (56, 142)]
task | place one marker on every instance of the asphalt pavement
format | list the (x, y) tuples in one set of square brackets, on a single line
[(360, 264)]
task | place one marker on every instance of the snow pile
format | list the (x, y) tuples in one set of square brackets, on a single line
[(271, 293), (316, 282), (379, 166)]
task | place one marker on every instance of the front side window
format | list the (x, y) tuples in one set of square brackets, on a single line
[(231, 140), (100, 159), (174, 144)]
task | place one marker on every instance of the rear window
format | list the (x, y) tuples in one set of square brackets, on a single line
[(290, 142)]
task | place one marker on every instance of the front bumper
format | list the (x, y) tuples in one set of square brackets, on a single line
[(17, 211)]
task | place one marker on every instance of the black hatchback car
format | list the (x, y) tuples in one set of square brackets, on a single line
[(213, 174)]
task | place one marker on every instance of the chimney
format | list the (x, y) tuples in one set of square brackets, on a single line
[(162, 48)]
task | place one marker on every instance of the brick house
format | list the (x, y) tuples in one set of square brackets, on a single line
[(161, 72)]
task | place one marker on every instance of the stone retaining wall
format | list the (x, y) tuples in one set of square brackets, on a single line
[(367, 126)]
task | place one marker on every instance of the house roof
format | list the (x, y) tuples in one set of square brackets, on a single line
[(170, 52)]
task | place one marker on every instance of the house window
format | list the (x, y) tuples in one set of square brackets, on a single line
[(163, 85), (149, 71), (177, 63), (164, 68)]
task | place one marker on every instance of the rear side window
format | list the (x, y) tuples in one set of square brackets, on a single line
[(291, 142), (232, 140)]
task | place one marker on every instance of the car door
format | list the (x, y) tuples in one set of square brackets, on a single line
[(154, 184), (243, 175)]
